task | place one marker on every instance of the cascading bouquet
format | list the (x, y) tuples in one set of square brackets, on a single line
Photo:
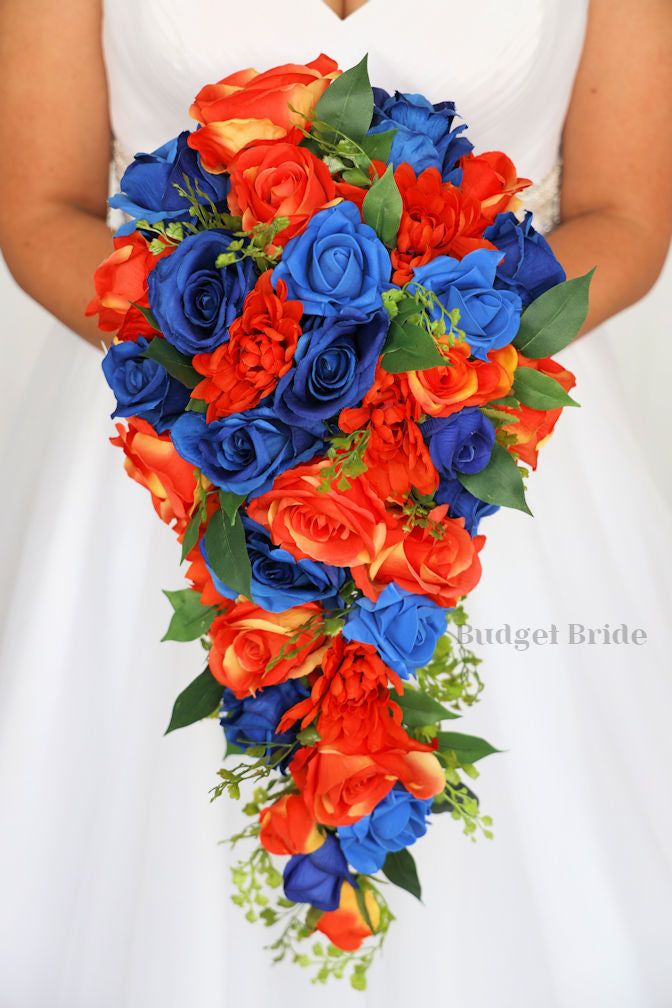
[(332, 342)]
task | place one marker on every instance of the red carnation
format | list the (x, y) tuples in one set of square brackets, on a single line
[(240, 373)]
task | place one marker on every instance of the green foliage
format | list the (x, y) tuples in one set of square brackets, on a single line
[(451, 677), (197, 701), (382, 208), (468, 748), (346, 107), (196, 406), (554, 319), (462, 804), (378, 145), (420, 710), (227, 552), (501, 482), (176, 364), (197, 519), (147, 314), (259, 764), (230, 503), (539, 391), (257, 244), (205, 215), (190, 619), (346, 455), (420, 327), (400, 869)]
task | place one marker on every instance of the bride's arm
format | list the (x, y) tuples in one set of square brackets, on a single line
[(617, 151), (54, 152)]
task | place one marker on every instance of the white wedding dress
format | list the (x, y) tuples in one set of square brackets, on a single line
[(113, 890)]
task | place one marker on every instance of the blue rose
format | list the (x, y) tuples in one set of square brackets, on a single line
[(334, 367), (148, 185), (193, 302), (336, 263), (462, 504), (489, 317), (317, 878), (253, 720), (529, 266), (403, 627), (244, 452), (461, 443), (142, 387), (280, 582), (396, 822), (425, 136)]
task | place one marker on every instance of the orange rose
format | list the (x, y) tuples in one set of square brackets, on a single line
[(346, 928), (279, 180), (152, 461), (249, 107), (491, 178), (437, 219), (444, 569), (247, 639), (339, 789), (288, 828), (260, 350), (396, 454), (443, 390), (343, 527), (121, 279), (535, 427)]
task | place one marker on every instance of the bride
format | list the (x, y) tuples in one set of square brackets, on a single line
[(113, 891)]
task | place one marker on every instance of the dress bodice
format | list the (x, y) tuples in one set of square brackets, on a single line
[(510, 74)]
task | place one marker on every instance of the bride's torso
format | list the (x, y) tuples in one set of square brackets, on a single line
[(509, 68)]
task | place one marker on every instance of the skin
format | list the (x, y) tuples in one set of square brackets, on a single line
[(617, 152)]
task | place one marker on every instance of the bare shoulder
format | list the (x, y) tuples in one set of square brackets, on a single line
[(54, 130), (617, 140)]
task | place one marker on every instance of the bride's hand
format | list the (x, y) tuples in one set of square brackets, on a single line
[(617, 155), (54, 152)]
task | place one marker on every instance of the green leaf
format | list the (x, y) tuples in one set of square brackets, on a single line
[(468, 748), (400, 869), (378, 145), (356, 177), (501, 482), (191, 619), (554, 319), (148, 315), (382, 208), (176, 364), (409, 347), (229, 503), (196, 406), (191, 534), (347, 104), (227, 552), (540, 391), (419, 709), (197, 701)]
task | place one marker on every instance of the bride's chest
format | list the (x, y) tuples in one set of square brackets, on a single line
[(504, 64)]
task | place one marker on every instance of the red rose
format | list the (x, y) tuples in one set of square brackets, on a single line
[(152, 461), (342, 527), (535, 427), (492, 180), (120, 280), (279, 180), (249, 107), (440, 561), (247, 639), (240, 373)]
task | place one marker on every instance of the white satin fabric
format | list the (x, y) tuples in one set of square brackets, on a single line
[(113, 891)]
